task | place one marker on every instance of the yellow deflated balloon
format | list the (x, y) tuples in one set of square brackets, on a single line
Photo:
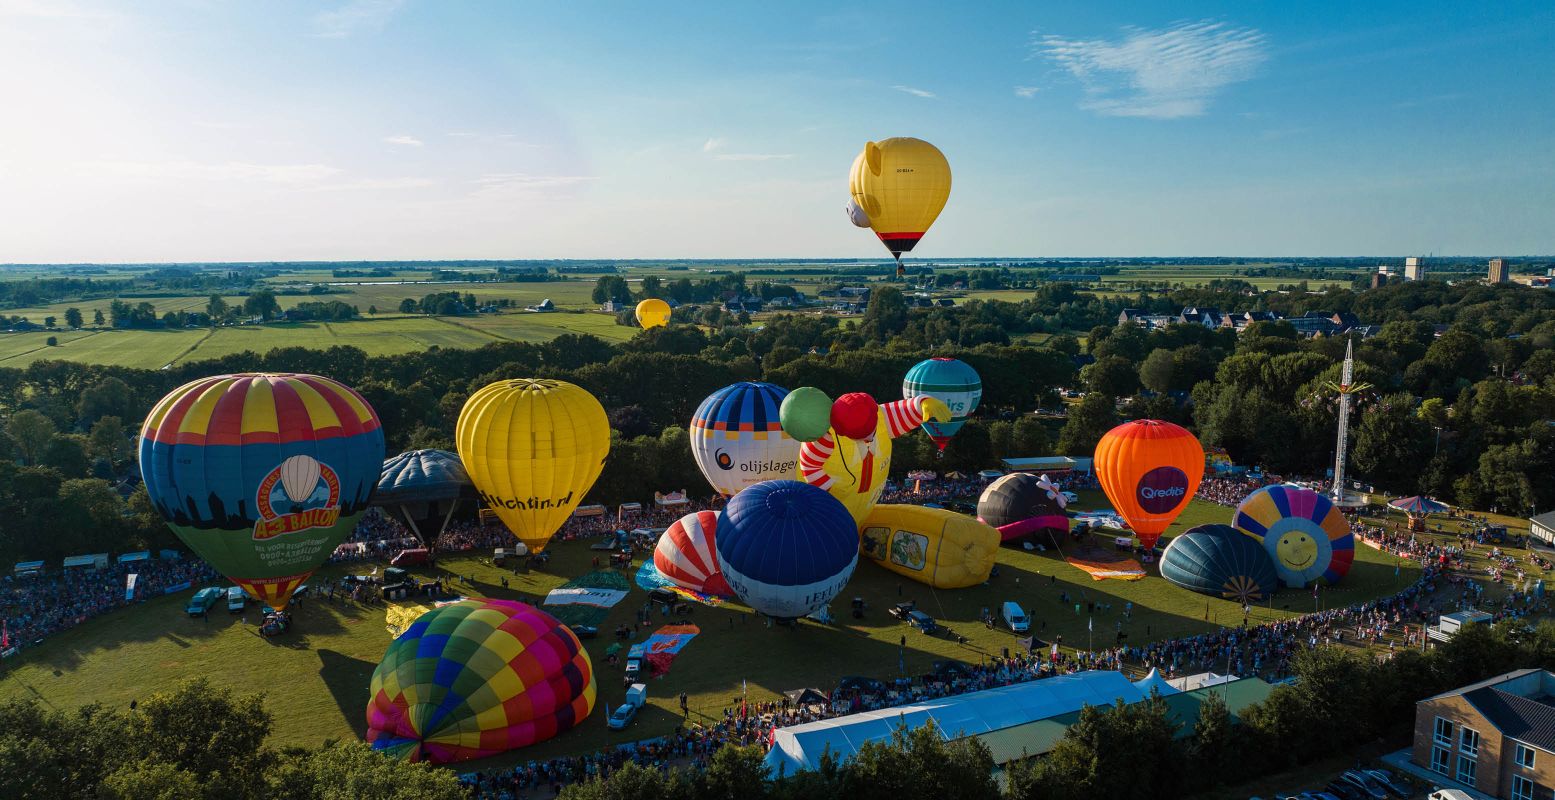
[(941, 548), (653, 313), (533, 448), (900, 185)]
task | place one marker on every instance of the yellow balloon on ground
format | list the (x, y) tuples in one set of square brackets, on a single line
[(900, 184), (653, 313), (941, 548), (533, 448)]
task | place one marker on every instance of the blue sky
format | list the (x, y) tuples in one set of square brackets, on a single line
[(202, 130)]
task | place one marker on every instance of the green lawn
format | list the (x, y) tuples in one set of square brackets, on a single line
[(385, 335), (316, 679)]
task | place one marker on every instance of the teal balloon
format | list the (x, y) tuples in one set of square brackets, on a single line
[(806, 413)]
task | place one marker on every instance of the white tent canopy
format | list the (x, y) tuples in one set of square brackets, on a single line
[(1156, 682), (799, 747)]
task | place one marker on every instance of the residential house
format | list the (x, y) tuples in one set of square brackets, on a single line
[(1208, 317), (1129, 315), (1496, 736)]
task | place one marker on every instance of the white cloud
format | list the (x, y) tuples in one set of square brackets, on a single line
[(1027, 92), (375, 185), (290, 174), (404, 140), (713, 144), (357, 16), (1163, 74), (752, 156), (915, 92), (49, 9), (524, 182)]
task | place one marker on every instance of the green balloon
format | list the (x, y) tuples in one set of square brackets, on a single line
[(806, 414)]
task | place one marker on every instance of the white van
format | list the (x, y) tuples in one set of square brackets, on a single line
[(1451, 794), (1016, 618), (237, 599)]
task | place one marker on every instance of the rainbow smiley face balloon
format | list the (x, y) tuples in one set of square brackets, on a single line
[(1305, 534)]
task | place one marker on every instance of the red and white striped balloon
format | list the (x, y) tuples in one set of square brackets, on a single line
[(687, 556)]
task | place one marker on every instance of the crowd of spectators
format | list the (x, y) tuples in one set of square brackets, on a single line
[(40, 604)]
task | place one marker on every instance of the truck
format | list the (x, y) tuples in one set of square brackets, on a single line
[(203, 600), (636, 664), (237, 599), (1015, 617), (623, 714)]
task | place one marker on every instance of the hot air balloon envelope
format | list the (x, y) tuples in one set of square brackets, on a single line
[(477, 678), (1220, 560), (533, 448), (786, 548), (1304, 533), (653, 313), (423, 488), (952, 381), (1150, 470), (902, 185), (262, 475), (737, 437), (941, 548), (687, 555), (1021, 504)]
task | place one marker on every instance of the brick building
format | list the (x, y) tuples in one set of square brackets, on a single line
[(1496, 736)]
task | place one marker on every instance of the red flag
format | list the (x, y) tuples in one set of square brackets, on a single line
[(5, 635)]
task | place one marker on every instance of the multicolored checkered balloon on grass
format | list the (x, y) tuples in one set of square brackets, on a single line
[(477, 678)]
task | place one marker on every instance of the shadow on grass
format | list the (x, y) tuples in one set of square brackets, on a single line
[(347, 679)]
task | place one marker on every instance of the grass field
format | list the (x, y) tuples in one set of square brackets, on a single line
[(387, 335), (316, 678)]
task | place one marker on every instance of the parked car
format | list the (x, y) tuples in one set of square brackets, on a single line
[(1367, 784), (584, 631), (1387, 781), (1345, 790), (623, 714), (663, 597), (237, 599), (922, 622), (902, 610)]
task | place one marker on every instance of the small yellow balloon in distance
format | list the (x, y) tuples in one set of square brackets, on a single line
[(533, 447), (653, 313)]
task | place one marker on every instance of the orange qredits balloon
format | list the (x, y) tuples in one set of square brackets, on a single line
[(1150, 470)]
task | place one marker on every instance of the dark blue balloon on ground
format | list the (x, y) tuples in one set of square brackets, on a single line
[(1222, 561), (786, 548)]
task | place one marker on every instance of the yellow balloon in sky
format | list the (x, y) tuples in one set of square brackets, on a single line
[(533, 447), (900, 184), (653, 313)]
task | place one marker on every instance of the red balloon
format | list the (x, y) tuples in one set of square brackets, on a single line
[(855, 415)]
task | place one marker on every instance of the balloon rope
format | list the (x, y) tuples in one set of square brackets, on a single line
[(843, 459)]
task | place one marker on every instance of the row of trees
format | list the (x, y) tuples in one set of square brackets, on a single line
[(1462, 415), (1339, 702), (196, 741)]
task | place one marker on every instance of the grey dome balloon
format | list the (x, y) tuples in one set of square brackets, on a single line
[(422, 488)]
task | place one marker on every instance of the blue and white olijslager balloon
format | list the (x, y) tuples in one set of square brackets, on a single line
[(786, 548), (737, 439)]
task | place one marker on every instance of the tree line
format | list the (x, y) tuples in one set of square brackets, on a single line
[(1463, 391), (1339, 702)]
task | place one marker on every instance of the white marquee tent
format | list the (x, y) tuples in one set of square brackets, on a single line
[(799, 747)]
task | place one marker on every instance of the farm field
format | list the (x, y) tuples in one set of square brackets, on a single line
[(387, 335), (316, 679)]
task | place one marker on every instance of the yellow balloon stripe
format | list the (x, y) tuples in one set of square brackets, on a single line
[(320, 413), (259, 409)]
